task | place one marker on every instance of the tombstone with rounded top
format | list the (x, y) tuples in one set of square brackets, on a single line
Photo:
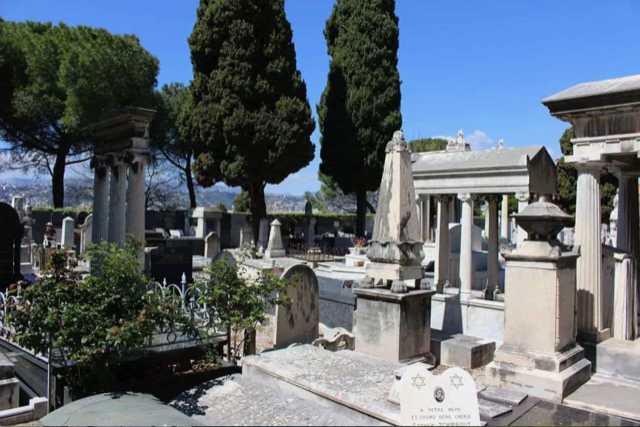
[(211, 245), (68, 226)]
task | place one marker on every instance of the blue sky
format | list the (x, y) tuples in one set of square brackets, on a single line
[(480, 66)]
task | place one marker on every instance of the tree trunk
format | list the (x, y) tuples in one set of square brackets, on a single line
[(57, 178), (258, 206), (361, 212), (190, 186)]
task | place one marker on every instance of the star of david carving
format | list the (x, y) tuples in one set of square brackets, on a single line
[(418, 381), (456, 381)]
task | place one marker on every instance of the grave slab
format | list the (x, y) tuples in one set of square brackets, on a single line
[(609, 396), (466, 351), (503, 395)]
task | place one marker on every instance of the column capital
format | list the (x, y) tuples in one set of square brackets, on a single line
[(466, 197), (523, 196), (591, 168), (623, 173)]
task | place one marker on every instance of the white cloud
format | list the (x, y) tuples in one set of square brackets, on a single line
[(479, 140)]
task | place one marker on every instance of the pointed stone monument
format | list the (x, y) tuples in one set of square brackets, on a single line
[(394, 324), (275, 248)]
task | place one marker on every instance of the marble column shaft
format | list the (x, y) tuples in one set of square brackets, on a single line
[(523, 202), (466, 252), (441, 268), (118, 203), (504, 225), (100, 228), (590, 313), (135, 202), (493, 262)]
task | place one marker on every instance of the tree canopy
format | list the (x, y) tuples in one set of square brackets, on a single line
[(72, 77), (251, 118), (172, 132), (360, 106), (428, 144)]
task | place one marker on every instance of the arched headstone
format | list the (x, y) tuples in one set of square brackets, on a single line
[(10, 240), (211, 245), (296, 322)]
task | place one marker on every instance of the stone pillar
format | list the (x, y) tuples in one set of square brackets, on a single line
[(493, 263), (441, 269), (504, 222), (590, 312), (135, 202), (117, 203), (426, 218), (311, 232), (523, 202), (100, 229), (420, 216), (68, 227), (466, 252)]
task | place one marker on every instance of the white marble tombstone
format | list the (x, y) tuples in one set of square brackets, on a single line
[(211, 245), (438, 400), (297, 320), (68, 226)]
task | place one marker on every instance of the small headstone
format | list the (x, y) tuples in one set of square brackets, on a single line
[(275, 248), (211, 245), (68, 226), (446, 399), (246, 237), (297, 321)]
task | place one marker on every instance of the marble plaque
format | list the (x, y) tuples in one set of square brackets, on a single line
[(437, 400)]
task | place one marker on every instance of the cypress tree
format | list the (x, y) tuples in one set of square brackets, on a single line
[(251, 118), (360, 106)]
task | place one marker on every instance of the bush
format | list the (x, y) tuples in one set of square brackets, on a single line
[(96, 323)]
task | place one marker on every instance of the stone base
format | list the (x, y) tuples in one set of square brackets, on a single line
[(393, 271), (619, 359), (466, 352), (275, 253), (550, 377), (393, 327)]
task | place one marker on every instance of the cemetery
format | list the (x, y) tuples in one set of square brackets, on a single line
[(457, 290)]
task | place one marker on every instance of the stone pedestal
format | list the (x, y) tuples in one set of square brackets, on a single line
[(539, 354), (391, 326)]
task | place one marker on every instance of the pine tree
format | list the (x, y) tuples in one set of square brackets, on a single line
[(360, 106), (251, 117)]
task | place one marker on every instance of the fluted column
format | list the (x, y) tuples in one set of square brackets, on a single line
[(420, 215), (100, 228), (466, 252), (523, 202), (441, 268), (117, 203), (493, 263), (590, 313), (504, 222), (135, 201)]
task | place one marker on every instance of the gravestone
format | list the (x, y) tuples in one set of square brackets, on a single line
[(85, 233), (10, 240), (297, 320), (211, 245), (68, 226), (438, 400)]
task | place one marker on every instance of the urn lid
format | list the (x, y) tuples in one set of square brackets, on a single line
[(543, 220)]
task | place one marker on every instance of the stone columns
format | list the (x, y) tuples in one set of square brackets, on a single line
[(441, 269), (590, 312), (426, 218), (504, 221), (628, 225), (100, 229), (135, 202), (493, 263), (466, 252), (117, 203), (523, 202)]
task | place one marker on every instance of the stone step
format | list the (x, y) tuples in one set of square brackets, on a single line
[(490, 409), (503, 395), (619, 359)]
